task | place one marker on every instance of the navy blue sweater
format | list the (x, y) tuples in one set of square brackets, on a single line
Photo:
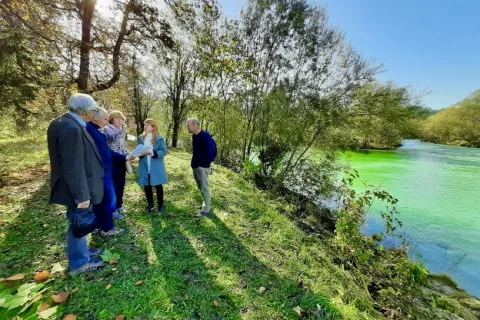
[(203, 149), (108, 156)]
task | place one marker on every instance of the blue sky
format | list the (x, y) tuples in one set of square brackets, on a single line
[(424, 44)]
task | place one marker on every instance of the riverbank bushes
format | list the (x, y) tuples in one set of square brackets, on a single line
[(456, 125)]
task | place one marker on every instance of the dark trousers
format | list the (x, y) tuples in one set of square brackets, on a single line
[(118, 174), (104, 210), (149, 193)]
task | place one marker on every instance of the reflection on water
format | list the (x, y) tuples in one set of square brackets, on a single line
[(438, 189)]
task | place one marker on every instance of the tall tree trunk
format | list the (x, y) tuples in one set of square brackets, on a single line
[(88, 7)]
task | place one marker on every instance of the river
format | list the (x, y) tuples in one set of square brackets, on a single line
[(438, 188)]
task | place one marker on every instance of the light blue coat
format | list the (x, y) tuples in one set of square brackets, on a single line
[(158, 174)]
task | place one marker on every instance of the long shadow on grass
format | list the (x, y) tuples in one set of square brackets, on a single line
[(206, 261)]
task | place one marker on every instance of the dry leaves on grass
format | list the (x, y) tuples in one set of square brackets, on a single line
[(43, 307), (57, 267), (41, 276), (108, 286), (61, 297), (18, 276), (302, 313), (215, 303), (120, 317), (139, 283), (262, 289), (70, 316)]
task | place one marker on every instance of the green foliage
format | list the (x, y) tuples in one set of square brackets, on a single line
[(24, 69), (387, 272), (457, 125), (109, 256), (22, 301), (382, 116)]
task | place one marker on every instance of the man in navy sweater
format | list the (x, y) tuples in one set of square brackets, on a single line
[(203, 154), (104, 210)]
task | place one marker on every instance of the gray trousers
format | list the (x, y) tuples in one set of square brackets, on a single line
[(201, 178)]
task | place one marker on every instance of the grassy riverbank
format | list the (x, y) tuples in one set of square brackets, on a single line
[(248, 261)]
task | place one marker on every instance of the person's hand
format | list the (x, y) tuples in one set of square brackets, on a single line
[(84, 204), (148, 153), (129, 157)]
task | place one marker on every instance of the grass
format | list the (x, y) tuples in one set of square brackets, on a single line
[(246, 261), (211, 268)]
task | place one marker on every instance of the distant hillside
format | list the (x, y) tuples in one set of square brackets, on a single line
[(456, 125), (471, 96)]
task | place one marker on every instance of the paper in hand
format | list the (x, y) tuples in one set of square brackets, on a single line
[(140, 150)]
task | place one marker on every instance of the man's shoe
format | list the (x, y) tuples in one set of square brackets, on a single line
[(160, 209), (122, 210), (202, 214), (95, 252), (92, 265), (150, 208), (118, 216), (111, 233)]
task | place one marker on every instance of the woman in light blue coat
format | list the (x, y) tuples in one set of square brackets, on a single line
[(151, 167)]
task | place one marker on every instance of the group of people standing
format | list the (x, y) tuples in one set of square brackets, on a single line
[(88, 159)]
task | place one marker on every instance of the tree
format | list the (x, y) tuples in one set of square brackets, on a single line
[(302, 77), (84, 59)]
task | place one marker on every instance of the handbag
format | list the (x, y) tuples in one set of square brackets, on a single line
[(83, 222)]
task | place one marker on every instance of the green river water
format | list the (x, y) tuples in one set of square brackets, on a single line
[(438, 189)]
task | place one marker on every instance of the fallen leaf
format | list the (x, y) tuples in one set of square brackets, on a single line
[(262, 289), (61, 297), (114, 269), (16, 277), (299, 283), (108, 286), (300, 311), (47, 313), (139, 283), (57, 267), (41, 276), (120, 317), (74, 290), (215, 303), (45, 225), (113, 261), (43, 307), (135, 268), (185, 297), (70, 316)]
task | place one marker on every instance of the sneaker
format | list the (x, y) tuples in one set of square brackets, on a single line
[(150, 207), (111, 233), (122, 210), (160, 209), (202, 214), (118, 216), (95, 252), (92, 265)]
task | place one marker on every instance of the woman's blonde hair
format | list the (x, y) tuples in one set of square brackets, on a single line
[(116, 114), (154, 125)]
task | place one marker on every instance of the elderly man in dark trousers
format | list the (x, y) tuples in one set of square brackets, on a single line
[(76, 179), (204, 152)]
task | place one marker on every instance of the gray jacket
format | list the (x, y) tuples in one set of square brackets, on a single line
[(76, 166)]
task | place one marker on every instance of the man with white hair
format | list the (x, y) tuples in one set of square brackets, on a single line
[(204, 153), (76, 178)]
